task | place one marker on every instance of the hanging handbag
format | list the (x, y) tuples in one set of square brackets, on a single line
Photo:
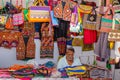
[(39, 14), (9, 24), (114, 35), (3, 17), (91, 21), (116, 5), (18, 18), (75, 24), (106, 21)]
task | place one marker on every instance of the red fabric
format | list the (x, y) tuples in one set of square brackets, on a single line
[(90, 36), (25, 79), (86, 79)]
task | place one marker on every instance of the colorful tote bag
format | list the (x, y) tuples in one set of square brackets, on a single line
[(91, 21), (18, 19), (114, 35), (9, 24), (47, 41), (39, 14), (106, 21), (75, 23)]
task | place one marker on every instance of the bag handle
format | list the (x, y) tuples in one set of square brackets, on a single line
[(38, 2), (109, 8)]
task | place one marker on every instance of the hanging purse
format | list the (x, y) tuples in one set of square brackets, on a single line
[(9, 24), (91, 21), (3, 17), (75, 24), (116, 5), (18, 18), (114, 35), (106, 21), (39, 14)]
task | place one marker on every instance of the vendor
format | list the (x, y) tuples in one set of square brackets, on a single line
[(68, 59)]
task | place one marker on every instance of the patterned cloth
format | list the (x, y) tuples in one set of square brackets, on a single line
[(101, 47), (47, 41)]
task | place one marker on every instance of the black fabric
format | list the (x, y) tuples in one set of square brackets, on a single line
[(117, 66), (62, 29)]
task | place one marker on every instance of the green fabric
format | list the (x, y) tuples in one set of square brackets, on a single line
[(109, 21), (25, 11)]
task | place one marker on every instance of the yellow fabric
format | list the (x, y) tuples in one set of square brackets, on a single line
[(70, 73), (85, 9)]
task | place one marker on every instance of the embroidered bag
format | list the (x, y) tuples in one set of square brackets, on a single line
[(9, 24), (116, 5), (18, 18), (114, 35), (106, 21), (39, 14), (75, 24), (3, 17), (91, 21)]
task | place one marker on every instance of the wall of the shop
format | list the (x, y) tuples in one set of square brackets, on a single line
[(8, 56)]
